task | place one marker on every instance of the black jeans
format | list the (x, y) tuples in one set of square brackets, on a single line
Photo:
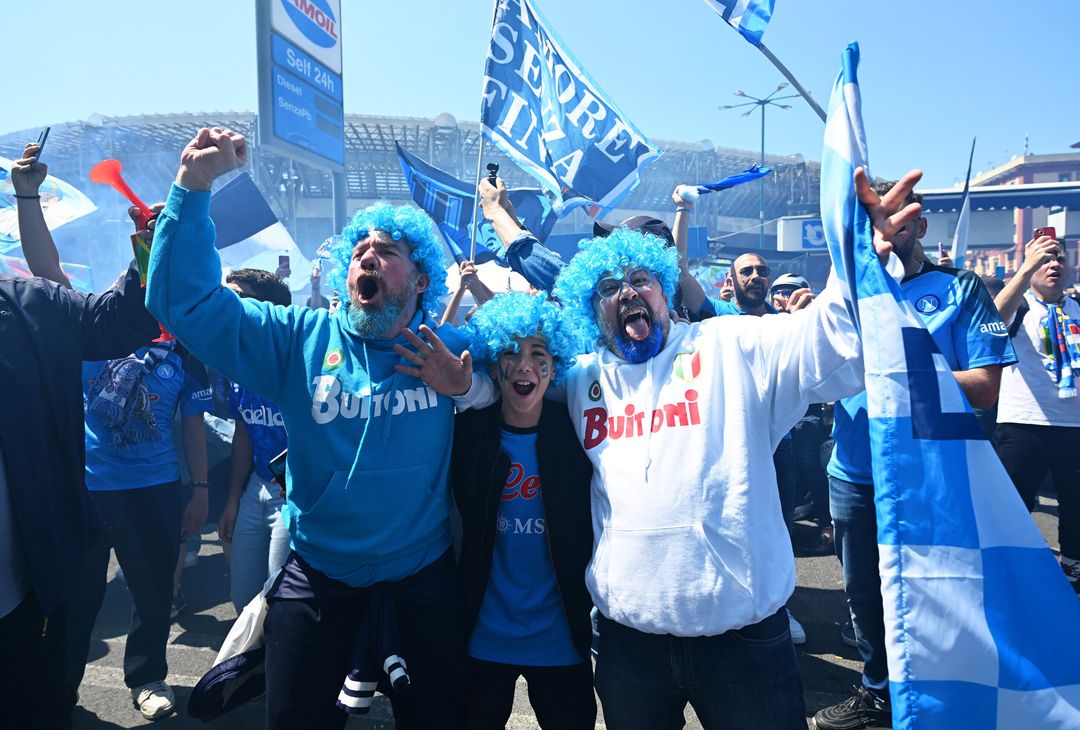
[(807, 437), (33, 676), (309, 651), (1029, 453), (143, 527), (743, 679), (562, 697)]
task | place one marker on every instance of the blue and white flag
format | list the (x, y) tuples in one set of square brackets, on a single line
[(543, 111), (981, 624), (250, 236), (691, 192), (60, 202), (963, 222), (749, 17), (450, 203)]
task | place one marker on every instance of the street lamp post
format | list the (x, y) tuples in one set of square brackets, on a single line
[(770, 100)]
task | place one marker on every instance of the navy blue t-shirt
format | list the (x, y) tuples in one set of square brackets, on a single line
[(522, 619), (961, 317)]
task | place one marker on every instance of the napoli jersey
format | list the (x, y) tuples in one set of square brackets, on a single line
[(522, 619), (145, 463), (265, 427), (961, 317)]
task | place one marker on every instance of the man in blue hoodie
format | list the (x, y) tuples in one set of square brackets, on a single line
[(367, 503)]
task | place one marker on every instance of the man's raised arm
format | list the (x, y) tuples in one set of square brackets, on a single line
[(247, 340)]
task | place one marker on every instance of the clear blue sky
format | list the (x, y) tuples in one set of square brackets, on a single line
[(934, 74)]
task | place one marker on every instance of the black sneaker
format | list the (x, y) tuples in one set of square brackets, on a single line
[(861, 710), (847, 634)]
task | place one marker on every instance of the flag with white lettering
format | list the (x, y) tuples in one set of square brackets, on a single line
[(749, 17), (450, 203), (963, 222), (543, 111), (980, 620)]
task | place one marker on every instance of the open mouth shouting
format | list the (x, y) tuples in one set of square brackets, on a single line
[(636, 321), (368, 287), (523, 387)]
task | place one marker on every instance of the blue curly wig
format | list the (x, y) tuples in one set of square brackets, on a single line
[(609, 256), (496, 326), (404, 222)]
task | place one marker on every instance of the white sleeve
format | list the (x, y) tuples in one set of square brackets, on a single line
[(811, 356), (481, 393)]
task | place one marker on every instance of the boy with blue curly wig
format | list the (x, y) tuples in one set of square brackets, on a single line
[(367, 499), (521, 483)]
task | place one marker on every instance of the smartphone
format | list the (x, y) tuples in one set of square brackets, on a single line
[(283, 264), (41, 142), (940, 249), (277, 467), (1047, 231)]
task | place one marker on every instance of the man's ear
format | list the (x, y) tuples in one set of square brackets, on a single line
[(922, 228), (422, 283)]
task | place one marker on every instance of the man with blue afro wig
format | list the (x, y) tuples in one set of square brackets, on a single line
[(691, 551), (367, 497), (411, 231), (520, 480)]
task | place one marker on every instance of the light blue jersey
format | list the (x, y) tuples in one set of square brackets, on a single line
[(962, 319)]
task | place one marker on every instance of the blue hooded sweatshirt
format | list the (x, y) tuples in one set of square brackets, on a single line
[(367, 498)]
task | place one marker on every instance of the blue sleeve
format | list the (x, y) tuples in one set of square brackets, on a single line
[(716, 308), (195, 398), (239, 337), (980, 337), (533, 260)]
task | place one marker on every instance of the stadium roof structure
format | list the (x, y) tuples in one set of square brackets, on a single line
[(149, 147)]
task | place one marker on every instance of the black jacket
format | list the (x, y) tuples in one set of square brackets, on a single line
[(479, 470), (46, 331)]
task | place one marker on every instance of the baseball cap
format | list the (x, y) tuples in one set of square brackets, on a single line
[(789, 281), (642, 223)]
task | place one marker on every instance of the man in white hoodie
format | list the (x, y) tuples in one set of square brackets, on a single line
[(692, 564)]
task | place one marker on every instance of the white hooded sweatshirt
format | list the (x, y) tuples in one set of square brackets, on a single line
[(688, 537)]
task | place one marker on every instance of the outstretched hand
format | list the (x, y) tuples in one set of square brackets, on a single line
[(435, 364), (211, 154), (888, 213)]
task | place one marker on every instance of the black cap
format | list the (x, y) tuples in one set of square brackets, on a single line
[(642, 223)]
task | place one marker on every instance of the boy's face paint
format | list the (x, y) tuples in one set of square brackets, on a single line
[(524, 377)]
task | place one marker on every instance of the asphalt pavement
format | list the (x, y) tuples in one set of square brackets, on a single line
[(829, 668)]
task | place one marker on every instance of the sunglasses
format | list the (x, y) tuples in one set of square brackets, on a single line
[(761, 270)]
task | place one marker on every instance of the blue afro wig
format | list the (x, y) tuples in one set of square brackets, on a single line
[(404, 222), (610, 256), (496, 326)]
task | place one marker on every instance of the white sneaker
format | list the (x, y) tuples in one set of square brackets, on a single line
[(798, 634), (154, 700)]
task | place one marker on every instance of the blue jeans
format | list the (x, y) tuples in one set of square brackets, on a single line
[(260, 542), (855, 524), (745, 678)]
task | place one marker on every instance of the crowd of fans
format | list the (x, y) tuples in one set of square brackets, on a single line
[(612, 463)]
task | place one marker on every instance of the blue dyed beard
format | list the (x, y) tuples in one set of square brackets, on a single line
[(371, 324), (374, 322), (637, 351)]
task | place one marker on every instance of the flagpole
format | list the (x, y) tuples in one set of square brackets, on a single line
[(476, 197), (959, 247), (794, 81)]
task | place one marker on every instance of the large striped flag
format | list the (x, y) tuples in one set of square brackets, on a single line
[(749, 17), (451, 203), (963, 222), (981, 624)]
